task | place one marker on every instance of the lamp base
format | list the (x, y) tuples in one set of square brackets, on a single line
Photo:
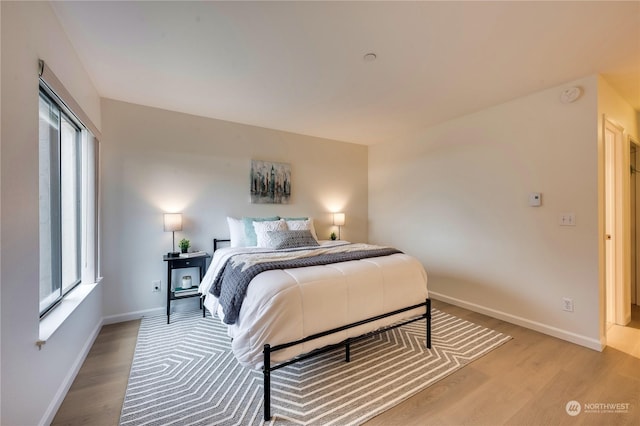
[(173, 254)]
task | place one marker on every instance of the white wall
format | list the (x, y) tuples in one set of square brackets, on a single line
[(466, 215), (33, 381), (157, 161)]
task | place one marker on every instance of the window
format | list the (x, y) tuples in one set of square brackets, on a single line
[(60, 174), (69, 170), (68, 209)]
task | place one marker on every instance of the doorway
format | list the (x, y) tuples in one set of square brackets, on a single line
[(618, 248), (633, 196)]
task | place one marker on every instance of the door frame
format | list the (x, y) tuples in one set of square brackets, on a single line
[(634, 288), (617, 225)]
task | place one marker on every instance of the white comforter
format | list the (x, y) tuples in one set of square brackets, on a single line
[(287, 305)]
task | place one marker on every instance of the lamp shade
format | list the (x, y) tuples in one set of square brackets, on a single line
[(338, 219), (173, 222)]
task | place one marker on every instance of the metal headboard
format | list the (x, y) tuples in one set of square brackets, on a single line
[(217, 241)]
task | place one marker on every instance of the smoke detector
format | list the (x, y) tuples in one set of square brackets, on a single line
[(570, 95), (370, 57)]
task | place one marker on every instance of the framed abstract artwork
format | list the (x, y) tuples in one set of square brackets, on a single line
[(270, 182)]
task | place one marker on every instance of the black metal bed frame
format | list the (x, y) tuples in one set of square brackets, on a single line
[(268, 349)]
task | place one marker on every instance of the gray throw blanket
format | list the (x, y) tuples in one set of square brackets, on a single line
[(231, 283)]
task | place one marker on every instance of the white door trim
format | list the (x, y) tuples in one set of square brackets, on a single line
[(617, 223)]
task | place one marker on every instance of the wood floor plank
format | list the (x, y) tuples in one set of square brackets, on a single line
[(97, 393)]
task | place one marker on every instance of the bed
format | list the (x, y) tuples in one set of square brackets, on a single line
[(286, 315)]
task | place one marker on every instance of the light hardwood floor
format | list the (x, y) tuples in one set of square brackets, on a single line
[(97, 393), (627, 338), (527, 381)]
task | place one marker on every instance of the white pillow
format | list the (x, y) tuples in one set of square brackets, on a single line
[(301, 225), (262, 229), (236, 232)]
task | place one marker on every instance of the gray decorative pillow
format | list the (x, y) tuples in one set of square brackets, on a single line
[(291, 239)]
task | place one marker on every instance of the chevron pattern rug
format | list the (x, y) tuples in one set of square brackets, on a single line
[(184, 373)]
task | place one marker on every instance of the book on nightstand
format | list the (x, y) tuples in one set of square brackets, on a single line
[(184, 291), (193, 254)]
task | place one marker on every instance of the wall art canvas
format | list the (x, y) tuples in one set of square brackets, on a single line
[(270, 182)]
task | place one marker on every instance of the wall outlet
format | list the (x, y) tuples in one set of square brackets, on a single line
[(567, 304), (156, 286)]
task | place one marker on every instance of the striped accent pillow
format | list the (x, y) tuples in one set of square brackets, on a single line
[(300, 224), (291, 239)]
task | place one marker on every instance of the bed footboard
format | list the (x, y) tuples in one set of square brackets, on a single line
[(268, 368)]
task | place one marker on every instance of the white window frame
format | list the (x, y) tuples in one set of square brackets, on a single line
[(63, 256), (88, 212)]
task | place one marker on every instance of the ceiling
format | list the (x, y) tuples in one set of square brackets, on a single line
[(300, 67)]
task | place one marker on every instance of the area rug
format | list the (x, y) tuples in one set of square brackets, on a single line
[(184, 373)]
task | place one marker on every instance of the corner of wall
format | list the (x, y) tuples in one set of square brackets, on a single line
[(478, 233), (30, 31)]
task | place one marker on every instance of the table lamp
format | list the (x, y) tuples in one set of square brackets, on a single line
[(173, 223), (338, 220)]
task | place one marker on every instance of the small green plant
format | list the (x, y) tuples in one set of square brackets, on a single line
[(184, 245), (333, 236)]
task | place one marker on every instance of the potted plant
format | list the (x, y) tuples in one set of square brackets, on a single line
[(333, 236), (184, 245)]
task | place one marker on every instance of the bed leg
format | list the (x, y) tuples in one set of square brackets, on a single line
[(266, 372), (347, 351), (428, 335)]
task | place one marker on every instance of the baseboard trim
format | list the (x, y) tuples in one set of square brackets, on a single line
[(112, 319), (53, 408), (569, 336)]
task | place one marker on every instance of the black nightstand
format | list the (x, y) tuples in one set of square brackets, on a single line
[(197, 261)]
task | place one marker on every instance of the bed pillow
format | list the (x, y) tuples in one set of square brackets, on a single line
[(236, 232), (300, 225), (249, 230), (291, 239), (262, 229)]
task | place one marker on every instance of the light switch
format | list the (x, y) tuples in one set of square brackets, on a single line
[(568, 219), (535, 199)]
